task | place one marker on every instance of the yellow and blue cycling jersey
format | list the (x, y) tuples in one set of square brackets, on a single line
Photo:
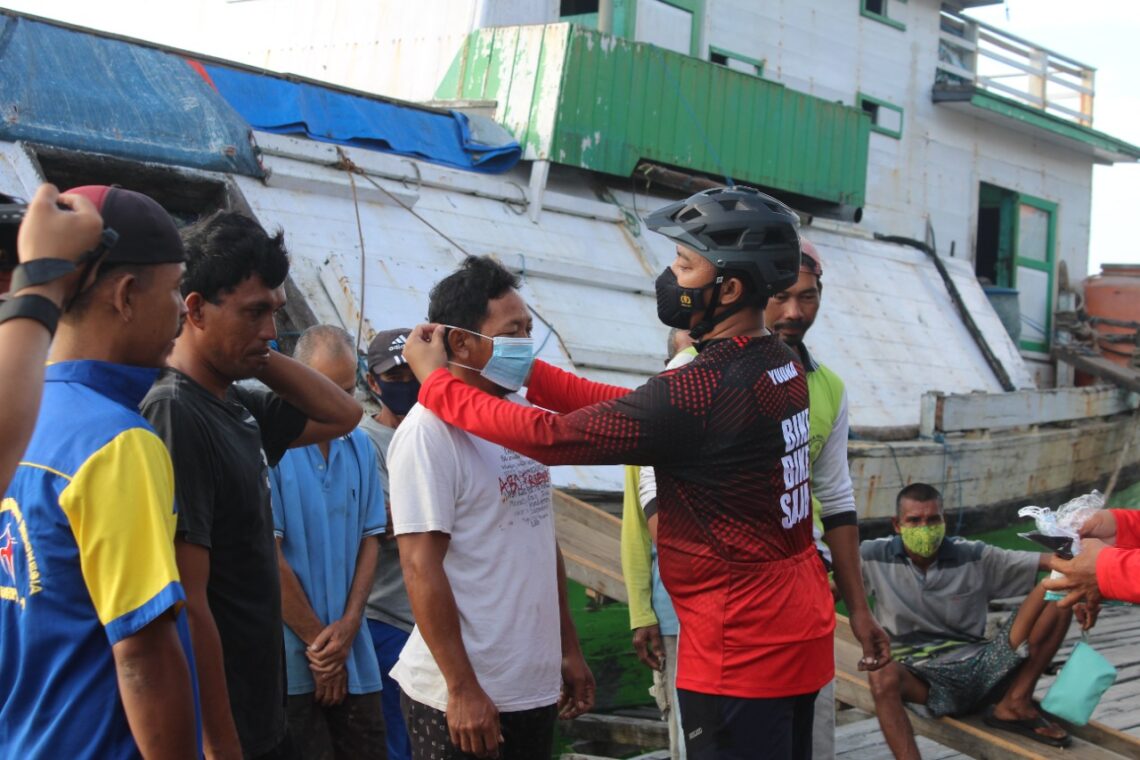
[(86, 560)]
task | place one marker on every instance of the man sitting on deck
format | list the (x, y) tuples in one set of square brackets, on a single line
[(931, 595)]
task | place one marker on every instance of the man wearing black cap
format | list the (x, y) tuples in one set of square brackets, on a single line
[(96, 647), (389, 612), (222, 440)]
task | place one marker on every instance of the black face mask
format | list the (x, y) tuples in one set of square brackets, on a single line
[(398, 396), (675, 304)]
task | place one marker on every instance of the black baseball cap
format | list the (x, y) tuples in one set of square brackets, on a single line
[(147, 234), (387, 350)]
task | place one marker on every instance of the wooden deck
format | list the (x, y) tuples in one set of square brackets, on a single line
[(590, 541), (1116, 636)]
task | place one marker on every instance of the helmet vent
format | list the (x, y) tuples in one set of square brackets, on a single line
[(734, 204), (690, 214), (726, 238)]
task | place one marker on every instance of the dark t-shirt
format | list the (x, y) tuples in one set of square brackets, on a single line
[(222, 451)]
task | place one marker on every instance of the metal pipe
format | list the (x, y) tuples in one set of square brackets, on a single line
[(606, 16), (693, 183)]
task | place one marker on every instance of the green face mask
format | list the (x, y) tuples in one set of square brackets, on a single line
[(925, 540)]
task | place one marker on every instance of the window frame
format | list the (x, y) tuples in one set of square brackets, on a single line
[(625, 20), (1049, 266), (882, 18), (757, 63), (860, 97)]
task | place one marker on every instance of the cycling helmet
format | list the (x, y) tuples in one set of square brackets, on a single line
[(739, 229)]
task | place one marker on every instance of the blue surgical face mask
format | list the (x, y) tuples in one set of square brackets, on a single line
[(510, 362)]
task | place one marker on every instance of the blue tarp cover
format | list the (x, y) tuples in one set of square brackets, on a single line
[(83, 92), (281, 106)]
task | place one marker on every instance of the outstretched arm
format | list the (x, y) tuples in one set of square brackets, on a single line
[(638, 428), (1127, 528), (561, 391), (547, 386)]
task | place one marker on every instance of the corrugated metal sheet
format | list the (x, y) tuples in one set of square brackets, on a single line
[(577, 97)]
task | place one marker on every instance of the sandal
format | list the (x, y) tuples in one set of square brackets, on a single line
[(1027, 727)]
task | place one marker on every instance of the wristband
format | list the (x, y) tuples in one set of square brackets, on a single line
[(42, 271), (31, 306)]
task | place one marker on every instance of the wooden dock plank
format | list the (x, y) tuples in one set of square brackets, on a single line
[(591, 545), (864, 741), (1098, 740)]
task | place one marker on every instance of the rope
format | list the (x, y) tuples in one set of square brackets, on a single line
[(632, 222), (898, 469), (346, 164)]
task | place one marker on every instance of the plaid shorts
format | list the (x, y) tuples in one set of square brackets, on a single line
[(963, 680)]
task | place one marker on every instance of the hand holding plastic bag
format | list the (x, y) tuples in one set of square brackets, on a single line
[(1065, 523)]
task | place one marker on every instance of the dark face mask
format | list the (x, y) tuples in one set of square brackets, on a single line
[(675, 304), (398, 396)]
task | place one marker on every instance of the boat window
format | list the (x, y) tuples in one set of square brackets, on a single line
[(736, 61), (879, 10), (577, 7), (886, 118)]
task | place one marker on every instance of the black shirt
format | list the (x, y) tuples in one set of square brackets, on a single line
[(222, 452)]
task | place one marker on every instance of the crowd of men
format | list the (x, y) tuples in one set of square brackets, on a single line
[(206, 548)]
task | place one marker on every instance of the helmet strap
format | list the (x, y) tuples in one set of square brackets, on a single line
[(709, 319)]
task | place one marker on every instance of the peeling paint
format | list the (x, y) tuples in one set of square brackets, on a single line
[(550, 84)]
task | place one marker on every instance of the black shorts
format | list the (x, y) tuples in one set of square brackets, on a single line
[(737, 728)]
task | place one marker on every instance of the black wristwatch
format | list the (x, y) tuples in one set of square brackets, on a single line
[(31, 306)]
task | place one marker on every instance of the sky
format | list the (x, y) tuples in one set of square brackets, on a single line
[(1099, 33), (1102, 34)]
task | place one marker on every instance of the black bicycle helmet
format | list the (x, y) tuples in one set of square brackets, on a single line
[(738, 229)]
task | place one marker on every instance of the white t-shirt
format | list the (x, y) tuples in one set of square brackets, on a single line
[(496, 506)]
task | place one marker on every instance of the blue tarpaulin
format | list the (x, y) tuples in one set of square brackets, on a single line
[(83, 92), (278, 105)]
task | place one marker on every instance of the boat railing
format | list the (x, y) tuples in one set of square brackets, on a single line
[(971, 52)]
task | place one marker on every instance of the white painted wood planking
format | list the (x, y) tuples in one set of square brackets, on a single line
[(957, 413)]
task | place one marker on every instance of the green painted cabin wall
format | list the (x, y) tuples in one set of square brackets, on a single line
[(577, 97)]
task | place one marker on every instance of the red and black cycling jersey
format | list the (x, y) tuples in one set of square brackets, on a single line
[(727, 435)]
